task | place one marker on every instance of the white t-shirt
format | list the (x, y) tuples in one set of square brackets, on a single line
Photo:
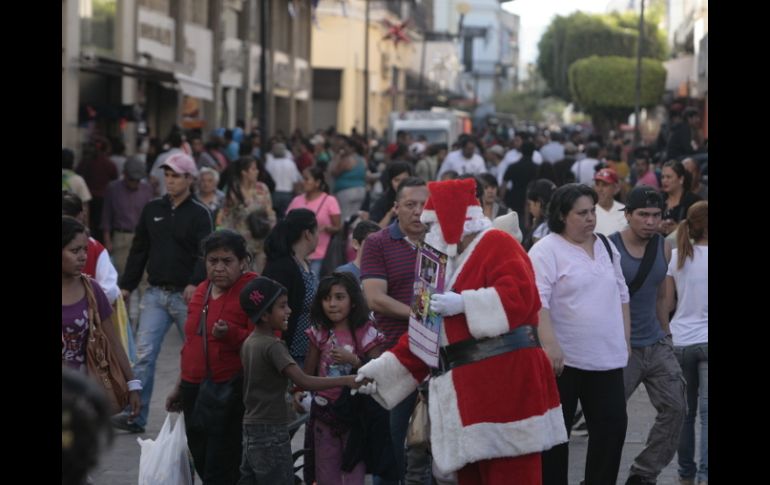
[(690, 324), (284, 172), (584, 297), (455, 161), (611, 221), (584, 171)]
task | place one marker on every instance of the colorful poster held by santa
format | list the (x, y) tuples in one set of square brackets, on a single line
[(424, 323)]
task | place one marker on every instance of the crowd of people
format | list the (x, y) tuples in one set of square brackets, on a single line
[(596, 282)]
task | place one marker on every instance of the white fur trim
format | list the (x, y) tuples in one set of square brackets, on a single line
[(428, 216), (474, 212), (510, 224), (454, 445), (485, 313), (394, 381), (462, 259), (476, 225)]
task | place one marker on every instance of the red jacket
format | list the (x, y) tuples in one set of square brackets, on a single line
[(224, 354)]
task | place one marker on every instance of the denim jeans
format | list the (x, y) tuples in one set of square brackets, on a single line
[(656, 366), (266, 455), (315, 267), (694, 360), (399, 422), (160, 308)]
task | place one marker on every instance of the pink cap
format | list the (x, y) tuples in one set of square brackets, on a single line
[(181, 163)]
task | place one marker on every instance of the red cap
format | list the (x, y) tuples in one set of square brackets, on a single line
[(607, 175)]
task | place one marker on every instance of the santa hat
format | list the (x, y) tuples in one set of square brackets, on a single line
[(452, 203)]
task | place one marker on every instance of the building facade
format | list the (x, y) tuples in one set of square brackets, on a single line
[(135, 68)]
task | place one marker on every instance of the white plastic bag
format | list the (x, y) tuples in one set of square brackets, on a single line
[(165, 460)]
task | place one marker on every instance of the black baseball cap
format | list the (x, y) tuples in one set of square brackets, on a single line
[(643, 196)]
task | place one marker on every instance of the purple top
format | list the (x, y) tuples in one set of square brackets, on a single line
[(74, 328)]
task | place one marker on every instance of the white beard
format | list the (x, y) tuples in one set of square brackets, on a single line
[(435, 238)]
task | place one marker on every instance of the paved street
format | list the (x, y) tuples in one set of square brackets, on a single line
[(120, 464)]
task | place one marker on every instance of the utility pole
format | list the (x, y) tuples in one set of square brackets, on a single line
[(637, 133), (264, 134), (366, 74)]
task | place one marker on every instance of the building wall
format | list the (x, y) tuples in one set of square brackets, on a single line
[(338, 43)]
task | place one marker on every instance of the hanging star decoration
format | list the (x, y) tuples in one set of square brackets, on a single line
[(397, 32)]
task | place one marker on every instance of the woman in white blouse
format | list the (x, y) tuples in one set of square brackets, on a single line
[(688, 275), (585, 330)]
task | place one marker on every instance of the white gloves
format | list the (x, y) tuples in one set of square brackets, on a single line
[(369, 388), (447, 304)]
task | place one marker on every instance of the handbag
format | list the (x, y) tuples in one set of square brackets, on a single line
[(103, 364), (418, 432), (214, 399)]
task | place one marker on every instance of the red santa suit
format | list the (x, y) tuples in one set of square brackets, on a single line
[(493, 409)]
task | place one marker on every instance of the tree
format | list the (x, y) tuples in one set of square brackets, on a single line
[(604, 87), (582, 35), (529, 105)]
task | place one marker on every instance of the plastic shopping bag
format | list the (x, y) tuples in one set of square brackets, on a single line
[(165, 460)]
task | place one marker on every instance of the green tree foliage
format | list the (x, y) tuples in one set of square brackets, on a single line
[(605, 87), (529, 105), (582, 35)]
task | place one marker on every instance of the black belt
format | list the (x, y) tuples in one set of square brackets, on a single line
[(473, 350), (171, 288), (124, 231)]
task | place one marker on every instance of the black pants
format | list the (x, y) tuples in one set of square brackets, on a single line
[(604, 406), (216, 453)]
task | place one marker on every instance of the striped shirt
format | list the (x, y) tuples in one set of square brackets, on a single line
[(388, 255)]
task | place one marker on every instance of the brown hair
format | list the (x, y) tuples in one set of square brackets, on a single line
[(696, 226)]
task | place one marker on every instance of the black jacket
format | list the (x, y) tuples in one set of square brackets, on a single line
[(286, 271), (168, 241)]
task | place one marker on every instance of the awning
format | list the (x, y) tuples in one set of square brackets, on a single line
[(111, 67), (195, 87), (187, 84)]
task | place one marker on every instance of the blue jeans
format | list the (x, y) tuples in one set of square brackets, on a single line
[(267, 456), (315, 267), (694, 360), (160, 308), (399, 422)]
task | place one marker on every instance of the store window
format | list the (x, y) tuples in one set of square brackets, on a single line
[(97, 25)]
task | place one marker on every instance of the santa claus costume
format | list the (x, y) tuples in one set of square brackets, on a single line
[(489, 418)]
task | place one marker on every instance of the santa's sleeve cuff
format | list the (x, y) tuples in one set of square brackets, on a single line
[(485, 313), (394, 381)]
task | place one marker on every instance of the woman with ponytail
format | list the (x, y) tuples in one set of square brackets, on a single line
[(288, 247), (688, 277)]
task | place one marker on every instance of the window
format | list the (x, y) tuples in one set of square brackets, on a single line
[(197, 12), (97, 25)]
